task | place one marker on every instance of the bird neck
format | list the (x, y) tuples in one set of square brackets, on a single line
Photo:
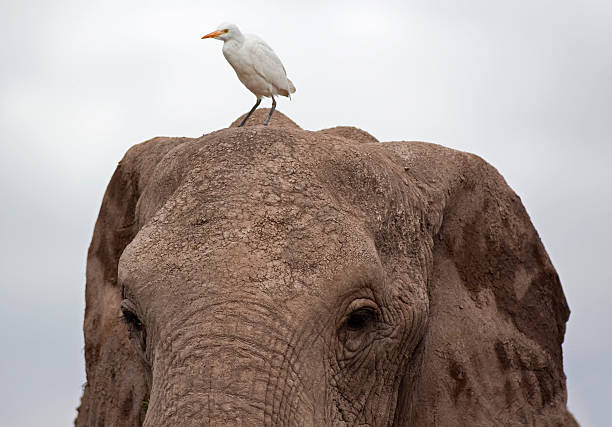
[(231, 48), (237, 38)]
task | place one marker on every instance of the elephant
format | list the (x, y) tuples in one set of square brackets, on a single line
[(274, 276)]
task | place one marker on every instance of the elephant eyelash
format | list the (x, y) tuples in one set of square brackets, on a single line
[(135, 328), (130, 318)]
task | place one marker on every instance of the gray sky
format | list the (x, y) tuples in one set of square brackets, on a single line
[(527, 85)]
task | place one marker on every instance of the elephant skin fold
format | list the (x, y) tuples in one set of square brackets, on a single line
[(274, 276)]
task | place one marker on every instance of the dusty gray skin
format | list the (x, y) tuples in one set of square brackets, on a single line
[(274, 276)]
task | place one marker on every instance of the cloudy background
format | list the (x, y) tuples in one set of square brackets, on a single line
[(525, 84)]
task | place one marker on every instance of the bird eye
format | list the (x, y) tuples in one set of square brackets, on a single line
[(225, 31)]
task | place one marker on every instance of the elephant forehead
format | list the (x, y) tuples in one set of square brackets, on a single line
[(281, 214), (249, 236)]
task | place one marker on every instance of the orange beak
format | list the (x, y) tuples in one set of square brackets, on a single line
[(213, 34)]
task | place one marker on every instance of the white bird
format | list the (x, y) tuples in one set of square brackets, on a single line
[(256, 65)]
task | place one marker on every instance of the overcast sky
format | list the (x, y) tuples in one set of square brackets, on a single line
[(527, 85)]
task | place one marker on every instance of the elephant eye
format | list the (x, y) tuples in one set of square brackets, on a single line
[(357, 327), (135, 327), (130, 318), (360, 319)]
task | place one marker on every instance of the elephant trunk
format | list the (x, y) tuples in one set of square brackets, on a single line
[(209, 392), (230, 372)]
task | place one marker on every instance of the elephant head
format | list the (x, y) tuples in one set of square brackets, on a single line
[(276, 276)]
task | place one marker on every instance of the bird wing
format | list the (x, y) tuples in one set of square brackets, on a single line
[(268, 65)]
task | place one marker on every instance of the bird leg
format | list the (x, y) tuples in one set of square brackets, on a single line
[(271, 111), (250, 112)]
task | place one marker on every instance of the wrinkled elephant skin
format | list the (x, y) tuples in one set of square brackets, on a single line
[(280, 277)]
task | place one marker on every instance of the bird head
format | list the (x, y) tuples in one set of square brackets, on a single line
[(223, 32)]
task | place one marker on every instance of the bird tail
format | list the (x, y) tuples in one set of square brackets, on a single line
[(286, 92)]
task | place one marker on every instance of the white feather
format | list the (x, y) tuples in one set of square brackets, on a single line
[(256, 64)]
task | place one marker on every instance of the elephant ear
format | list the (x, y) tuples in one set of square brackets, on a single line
[(116, 392), (491, 354)]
